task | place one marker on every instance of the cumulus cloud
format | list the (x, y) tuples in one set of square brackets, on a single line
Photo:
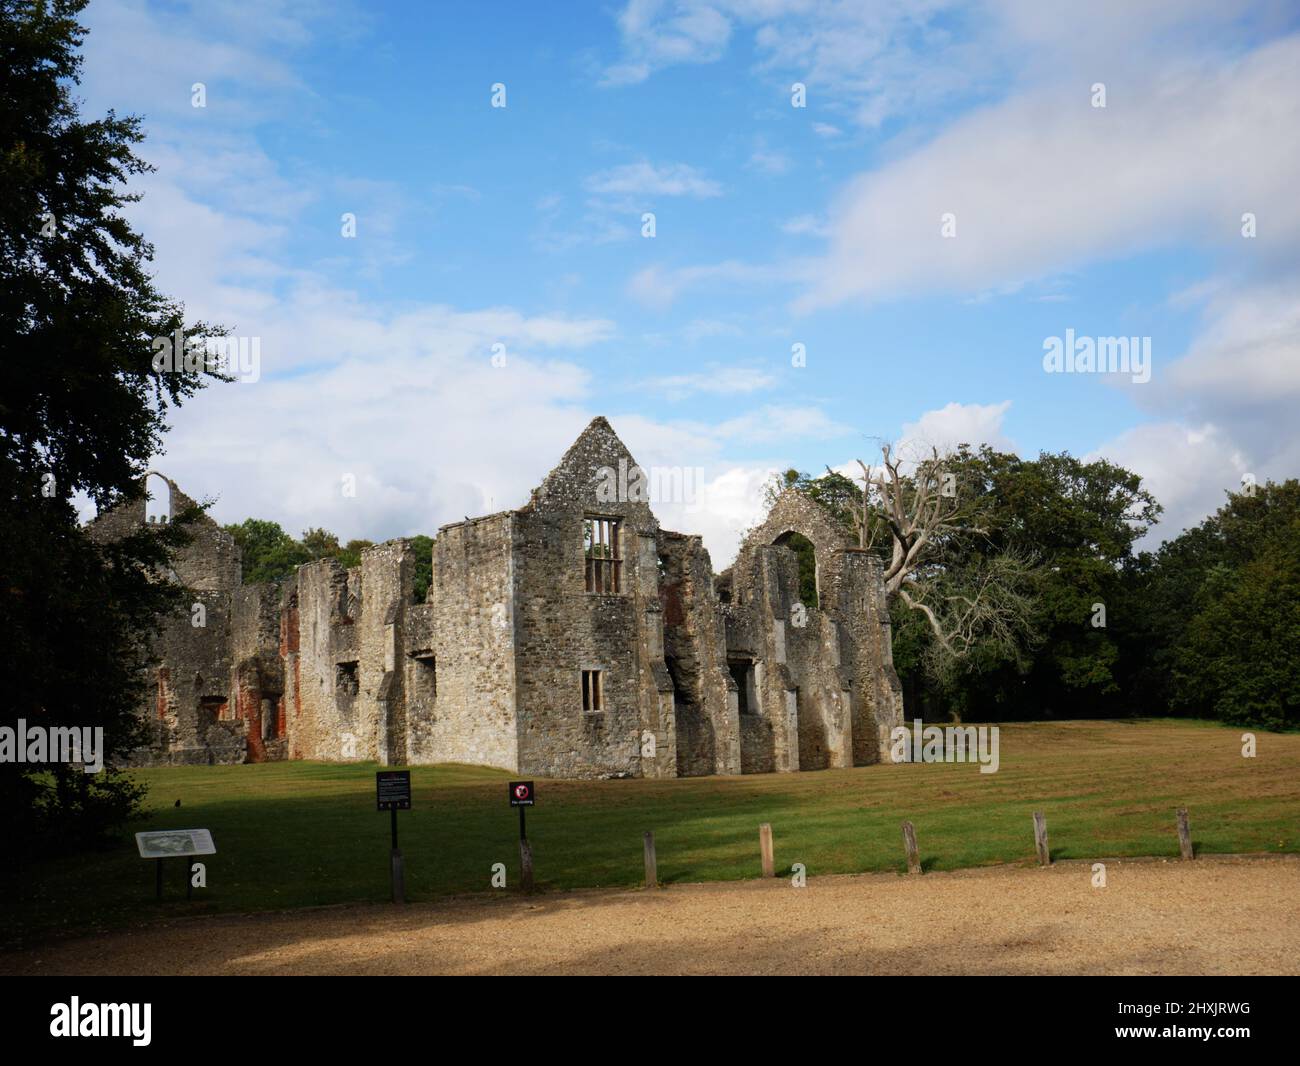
[(769, 161), (656, 34), (1044, 182), (646, 179), (658, 287), (406, 401), (1225, 408), (960, 423), (1187, 469), (716, 381), (868, 61)]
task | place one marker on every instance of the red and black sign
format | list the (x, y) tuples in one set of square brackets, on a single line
[(393, 790), (521, 794)]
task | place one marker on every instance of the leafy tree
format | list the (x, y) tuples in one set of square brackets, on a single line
[(320, 543), (1081, 520), (1046, 539), (1240, 656), (350, 554), (82, 408), (268, 552), (423, 547), (1216, 614), (837, 493)]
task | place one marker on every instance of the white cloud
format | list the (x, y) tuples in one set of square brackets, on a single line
[(1249, 353), (960, 423), (1043, 181), (769, 161), (402, 397), (658, 287), (725, 508), (656, 34), (717, 381), (1187, 469), (1226, 407), (646, 180), (703, 328), (805, 226), (410, 404), (867, 61), (781, 424)]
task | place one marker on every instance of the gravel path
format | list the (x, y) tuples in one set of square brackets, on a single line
[(1218, 915)]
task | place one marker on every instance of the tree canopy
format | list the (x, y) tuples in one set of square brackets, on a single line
[(82, 409)]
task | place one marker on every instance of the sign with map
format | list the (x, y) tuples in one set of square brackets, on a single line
[(168, 843)]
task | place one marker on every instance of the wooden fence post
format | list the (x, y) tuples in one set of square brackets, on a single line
[(1184, 834), (1040, 839), (651, 866), (909, 842), (765, 848)]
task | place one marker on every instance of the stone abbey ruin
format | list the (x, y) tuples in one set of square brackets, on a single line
[(572, 637)]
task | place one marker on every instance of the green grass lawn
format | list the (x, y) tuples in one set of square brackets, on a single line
[(302, 834)]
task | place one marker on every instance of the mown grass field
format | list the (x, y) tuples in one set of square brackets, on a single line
[(305, 834)]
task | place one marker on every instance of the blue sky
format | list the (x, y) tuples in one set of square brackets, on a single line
[(775, 226)]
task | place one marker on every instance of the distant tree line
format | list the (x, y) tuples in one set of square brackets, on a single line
[(271, 554), (1029, 600)]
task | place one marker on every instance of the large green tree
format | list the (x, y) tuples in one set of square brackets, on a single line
[(81, 411), (1216, 614), (1080, 521), (267, 552), (1022, 564)]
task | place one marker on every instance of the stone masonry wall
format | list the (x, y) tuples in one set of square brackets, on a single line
[(698, 675), (468, 640), (561, 629), (695, 652)]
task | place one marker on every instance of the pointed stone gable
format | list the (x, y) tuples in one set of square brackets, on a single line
[(577, 475)]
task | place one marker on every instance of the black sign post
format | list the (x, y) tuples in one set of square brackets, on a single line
[(523, 796), (393, 794)]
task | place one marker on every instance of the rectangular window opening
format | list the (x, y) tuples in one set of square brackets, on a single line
[(602, 554), (426, 673), (742, 672), (593, 690), (347, 681)]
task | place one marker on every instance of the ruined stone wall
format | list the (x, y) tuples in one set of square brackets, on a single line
[(188, 698), (347, 671), (561, 629), (290, 710), (328, 669), (188, 703), (209, 563), (695, 654), (764, 581), (801, 688), (258, 682), (385, 592), (841, 688), (340, 664), (420, 682), (468, 628), (864, 616)]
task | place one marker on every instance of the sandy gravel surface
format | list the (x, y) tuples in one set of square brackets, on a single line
[(1232, 916)]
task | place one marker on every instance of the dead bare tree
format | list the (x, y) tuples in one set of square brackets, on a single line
[(987, 601)]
